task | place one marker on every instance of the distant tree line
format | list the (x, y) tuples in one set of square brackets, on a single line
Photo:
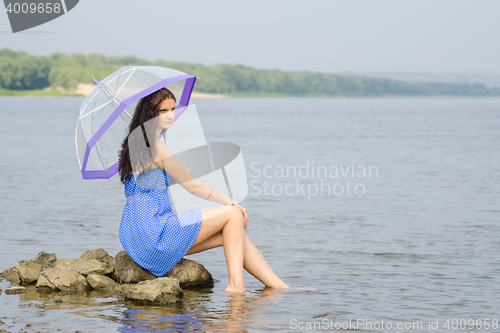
[(21, 71)]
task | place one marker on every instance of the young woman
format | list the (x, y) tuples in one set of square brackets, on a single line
[(150, 233)]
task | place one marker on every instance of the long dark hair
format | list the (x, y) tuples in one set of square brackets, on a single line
[(146, 109)]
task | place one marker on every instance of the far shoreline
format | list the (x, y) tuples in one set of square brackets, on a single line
[(84, 89)]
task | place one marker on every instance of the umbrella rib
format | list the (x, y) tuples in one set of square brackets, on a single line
[(121, 115), (123, 85), (76, 141), (119, 75), (124, 110), (88, 103), (96, 109), (108, 93)]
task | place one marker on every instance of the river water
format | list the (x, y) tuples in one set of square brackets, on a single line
[(390, 210)]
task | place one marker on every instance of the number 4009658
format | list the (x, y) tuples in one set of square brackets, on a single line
[(32, 8), (471, 323)]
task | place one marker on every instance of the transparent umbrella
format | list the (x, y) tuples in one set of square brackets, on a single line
[(107, 111)]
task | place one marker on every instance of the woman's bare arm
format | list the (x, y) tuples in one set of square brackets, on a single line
[(185, 167), (167, 161)]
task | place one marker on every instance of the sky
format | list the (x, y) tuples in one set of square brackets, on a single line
[(326, 36)]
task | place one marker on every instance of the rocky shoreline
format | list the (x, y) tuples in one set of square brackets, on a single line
[(97, 270)]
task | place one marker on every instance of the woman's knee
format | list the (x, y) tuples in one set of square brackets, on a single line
[(236, 214), (220, 217)]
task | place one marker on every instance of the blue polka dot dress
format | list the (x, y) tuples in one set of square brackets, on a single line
[(150, 233)]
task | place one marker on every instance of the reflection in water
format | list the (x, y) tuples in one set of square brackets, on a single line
[(245, 311), (196, 312), (142, 320)]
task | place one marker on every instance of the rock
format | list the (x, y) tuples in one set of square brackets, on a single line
[(102, 256), (62, 280), (120, 288), (159, 291), (12, 274), (101, 282), (191, 274), (43, 284), (15, 290), (29, 271), (127, 271), (84, 266)]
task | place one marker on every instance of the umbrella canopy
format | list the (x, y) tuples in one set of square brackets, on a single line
[(107, 111)]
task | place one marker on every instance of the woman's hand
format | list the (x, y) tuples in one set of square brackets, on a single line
[(245, 215)]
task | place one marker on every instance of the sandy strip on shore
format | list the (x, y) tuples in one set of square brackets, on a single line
[(85, 89)]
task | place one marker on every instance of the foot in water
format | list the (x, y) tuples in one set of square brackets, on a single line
[(282, 286), (234, 290)]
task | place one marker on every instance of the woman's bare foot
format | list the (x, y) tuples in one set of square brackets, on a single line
[(234, 290), (285, 286), (282, 286)]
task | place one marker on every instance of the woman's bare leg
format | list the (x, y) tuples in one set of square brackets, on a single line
[(228, 221), (253, 262), (213, 221), (233, 240), (210, 243)]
